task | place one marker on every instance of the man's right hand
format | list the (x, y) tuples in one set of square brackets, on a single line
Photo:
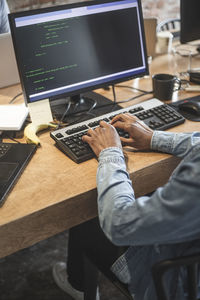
[(139, 134)]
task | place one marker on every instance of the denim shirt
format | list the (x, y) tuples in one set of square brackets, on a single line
[(163, 225), (4, 10)]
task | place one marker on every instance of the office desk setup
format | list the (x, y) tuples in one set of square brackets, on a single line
[(54, 193)]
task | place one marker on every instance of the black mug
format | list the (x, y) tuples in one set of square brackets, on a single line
[(164, 85)]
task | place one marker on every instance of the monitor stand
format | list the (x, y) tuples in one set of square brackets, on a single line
[(82, 107)]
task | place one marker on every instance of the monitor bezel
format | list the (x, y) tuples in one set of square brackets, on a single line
[(186, 35), (83, 90)]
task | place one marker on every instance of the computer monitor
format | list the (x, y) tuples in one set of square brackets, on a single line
[(71, 49), (190, 20)]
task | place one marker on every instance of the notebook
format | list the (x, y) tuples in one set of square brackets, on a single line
[(12, 117), (8, 67), (13, 159)]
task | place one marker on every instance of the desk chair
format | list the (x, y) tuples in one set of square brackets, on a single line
[(168, 24), (172, 25), (190, 262)]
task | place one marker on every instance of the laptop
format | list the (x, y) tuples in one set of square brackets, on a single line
[(13, 159), (8, 67), (150, 25)]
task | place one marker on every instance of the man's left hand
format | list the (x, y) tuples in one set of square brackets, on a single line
[(102, 137)]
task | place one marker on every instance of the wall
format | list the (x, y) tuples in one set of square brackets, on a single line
[(162, 9)]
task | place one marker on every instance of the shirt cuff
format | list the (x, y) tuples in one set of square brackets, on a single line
[(111, 154), (162, 141)]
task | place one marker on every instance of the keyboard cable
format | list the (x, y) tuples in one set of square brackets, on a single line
[(133, 88), (14, 98), (115, 102), (4, 135)]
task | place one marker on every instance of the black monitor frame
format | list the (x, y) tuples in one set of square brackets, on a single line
[(190, 20), (96, 85)]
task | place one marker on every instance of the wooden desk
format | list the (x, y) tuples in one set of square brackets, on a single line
[(54, 193)]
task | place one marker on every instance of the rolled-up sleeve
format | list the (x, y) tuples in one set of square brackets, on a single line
[(4, 11), (174, 143), (172, 212)]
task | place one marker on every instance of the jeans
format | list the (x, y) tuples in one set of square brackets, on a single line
[(89, 240)]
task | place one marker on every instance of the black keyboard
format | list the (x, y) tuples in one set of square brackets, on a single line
[(4, 149), (154, 113)]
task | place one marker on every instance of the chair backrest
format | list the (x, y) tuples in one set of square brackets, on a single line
[(168, 24), (172, 25), (159, 269), (190, 262)]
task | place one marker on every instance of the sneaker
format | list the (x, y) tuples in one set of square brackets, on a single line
[(60, 277)]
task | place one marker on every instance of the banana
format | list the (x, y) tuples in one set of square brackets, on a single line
[(31, 130)]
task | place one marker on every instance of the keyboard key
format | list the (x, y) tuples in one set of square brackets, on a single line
[(4, 149), (93, 124), (76, 129), (134, 110), (59, 135)]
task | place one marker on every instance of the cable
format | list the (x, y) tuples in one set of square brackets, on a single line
[(14, 140), (133, 98), (74, 113), (1, 136), (114, 94), (64, 115), (114, 103), (66, 111), (81, 118), (5, 135), (133, 88), (92, 107), (110, 104), (123, 101), (15, 97)]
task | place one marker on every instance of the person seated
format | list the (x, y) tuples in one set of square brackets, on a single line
[(4, 11), (131, 234)]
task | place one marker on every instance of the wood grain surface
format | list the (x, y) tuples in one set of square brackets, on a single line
[(54, 193)]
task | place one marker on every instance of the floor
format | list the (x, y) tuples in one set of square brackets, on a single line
[(27, 274)]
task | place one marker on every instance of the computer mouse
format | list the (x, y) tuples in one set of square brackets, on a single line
[(191, 107)]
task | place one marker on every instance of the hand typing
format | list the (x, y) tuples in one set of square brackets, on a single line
[(139, 134), (102, 137)]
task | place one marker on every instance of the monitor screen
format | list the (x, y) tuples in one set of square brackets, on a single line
[(190, 20), (79, 47)]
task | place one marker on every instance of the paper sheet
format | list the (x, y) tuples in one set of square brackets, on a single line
[(40, 112)]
